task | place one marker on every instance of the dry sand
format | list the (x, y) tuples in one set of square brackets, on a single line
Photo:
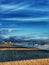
[(27, 62)]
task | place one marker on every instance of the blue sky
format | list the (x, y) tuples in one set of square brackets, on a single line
[(24, 18)]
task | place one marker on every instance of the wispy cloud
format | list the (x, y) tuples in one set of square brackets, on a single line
[(38, 19), (9, 8), (31, 37), (38, 9), (11, 28)]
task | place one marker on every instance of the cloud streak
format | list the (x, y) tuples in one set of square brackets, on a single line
[(6, 9), (37, 19)]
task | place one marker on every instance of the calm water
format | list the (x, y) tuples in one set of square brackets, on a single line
[(13, 55)]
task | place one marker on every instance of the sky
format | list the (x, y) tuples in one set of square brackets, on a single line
[(24, 18)]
